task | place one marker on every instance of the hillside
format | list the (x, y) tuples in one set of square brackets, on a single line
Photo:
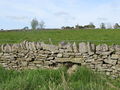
[(95, 36)]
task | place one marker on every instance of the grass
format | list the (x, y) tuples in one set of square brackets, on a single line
[(42, 79), (95, 36)]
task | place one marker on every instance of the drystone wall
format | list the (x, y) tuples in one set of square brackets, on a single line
[(33, 55)]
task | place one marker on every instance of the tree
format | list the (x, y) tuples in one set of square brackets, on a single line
[(86, 27), (26, 28), (79, 27), (62, 27), (116, 26), (102, 26), (41, 25), (34, 24), (67, 27), (91, 26)]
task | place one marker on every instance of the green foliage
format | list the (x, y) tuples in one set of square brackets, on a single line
[(90, 26), (102, 26), (41, 25), (34, 23), (44, 79), (116, 26)]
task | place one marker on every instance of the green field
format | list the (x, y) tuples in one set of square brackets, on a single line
[(82, 79), (95, 36)]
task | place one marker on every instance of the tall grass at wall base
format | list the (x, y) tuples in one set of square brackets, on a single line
[(44, 79)]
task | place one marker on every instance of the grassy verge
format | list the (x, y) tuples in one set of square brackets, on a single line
[(95, 36), (83, 79)]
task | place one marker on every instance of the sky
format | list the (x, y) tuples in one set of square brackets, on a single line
[(16, 14)]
